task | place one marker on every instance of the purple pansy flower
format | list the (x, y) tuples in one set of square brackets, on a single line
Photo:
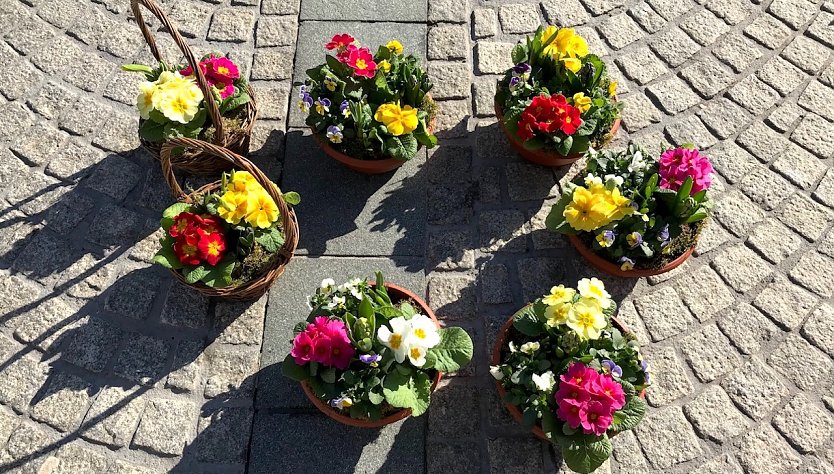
[(626, 263), (521, 69), (634, 239), (344, 108), (611, 367), (370, 358)]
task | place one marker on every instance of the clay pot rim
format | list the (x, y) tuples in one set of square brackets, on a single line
[(613, 269), (495, 359), (396, 416)]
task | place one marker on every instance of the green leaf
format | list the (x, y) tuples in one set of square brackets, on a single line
[(407, 391), (453, 351), (519, 53), (630, 415), (366, 309), (137, 68), (403, 147), (328, 375), (221, 274), (376, 398), (535, 143), (166, 256), (172, 211), (292, 370), (195, 274), (584, 454), (152, 131), (564, 147), (407, 310), (527, 322), (423, 136), (235, 101), (267, 242), (292, 198)]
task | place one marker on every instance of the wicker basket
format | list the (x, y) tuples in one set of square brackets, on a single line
[(256, 287), (198, 162)]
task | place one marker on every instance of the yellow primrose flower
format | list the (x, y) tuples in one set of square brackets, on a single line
[(261, 210), (243, 181), (612, 88), (558, 314), (144, 101), (587, 319), (395, 46), (398, 121), (572, 64), (576, 46), (179, 105), (384, 65), (594, 288), (559, 294), (588, 211), (581, 102), (233, 207)]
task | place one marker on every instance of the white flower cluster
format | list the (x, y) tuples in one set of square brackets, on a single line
[(411, 338)]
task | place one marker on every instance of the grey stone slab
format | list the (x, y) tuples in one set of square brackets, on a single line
[(288, 305), (346, 213), (312, 36), (320, 444), (365, 10)]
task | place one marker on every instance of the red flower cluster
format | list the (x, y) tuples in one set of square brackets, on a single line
[(588, 399), (548, 115), (198, 238), (324, 341)]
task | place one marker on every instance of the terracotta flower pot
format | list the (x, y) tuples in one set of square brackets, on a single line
[(397, 293), (600, 263), (496, 360), (362, 166), (542, 157)]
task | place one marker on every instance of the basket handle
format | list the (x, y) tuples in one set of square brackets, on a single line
[(208, 95), (290, 230)]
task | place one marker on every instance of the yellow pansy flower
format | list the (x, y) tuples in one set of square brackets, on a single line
[(261, 210), (398, 121), (395, 46), (586, 318), (581, 102)]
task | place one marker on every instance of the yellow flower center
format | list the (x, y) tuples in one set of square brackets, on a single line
[(361, 64), (213, 249), (420, 333), (395, 341), (223, 70), (415, 352)]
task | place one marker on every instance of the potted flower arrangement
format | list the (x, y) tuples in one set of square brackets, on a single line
[(630, 214), (230, 238), (557, 101), (371, 112), (571, 372), (208, 100), (371, 353)]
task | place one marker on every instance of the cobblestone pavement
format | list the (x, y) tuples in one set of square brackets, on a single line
[(107, 365)]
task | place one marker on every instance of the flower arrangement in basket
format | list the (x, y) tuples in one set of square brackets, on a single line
[(631, 214), (557, 101), (369, 107), (371, 353), (571, 372), (230, 238), (208, 100)]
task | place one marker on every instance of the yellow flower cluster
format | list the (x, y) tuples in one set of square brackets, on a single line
[(584, 315), (176, 97), (568, 47), (398, 120), (246, 200), (596, 206)]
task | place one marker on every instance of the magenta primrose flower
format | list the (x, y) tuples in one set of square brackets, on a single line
[(588, 399), (680, 163)]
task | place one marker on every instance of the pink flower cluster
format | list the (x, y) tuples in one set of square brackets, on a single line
[(220, 73), (324, 341), (361, 60), (588, 399), (680, 163)]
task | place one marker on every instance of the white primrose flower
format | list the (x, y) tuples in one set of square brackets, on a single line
[(327, 285), (591, 180), (495, 371), (395, 338), (545, 381), (417, 355), (351, 287), (530, 347), (423, 332), (335, 302)]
